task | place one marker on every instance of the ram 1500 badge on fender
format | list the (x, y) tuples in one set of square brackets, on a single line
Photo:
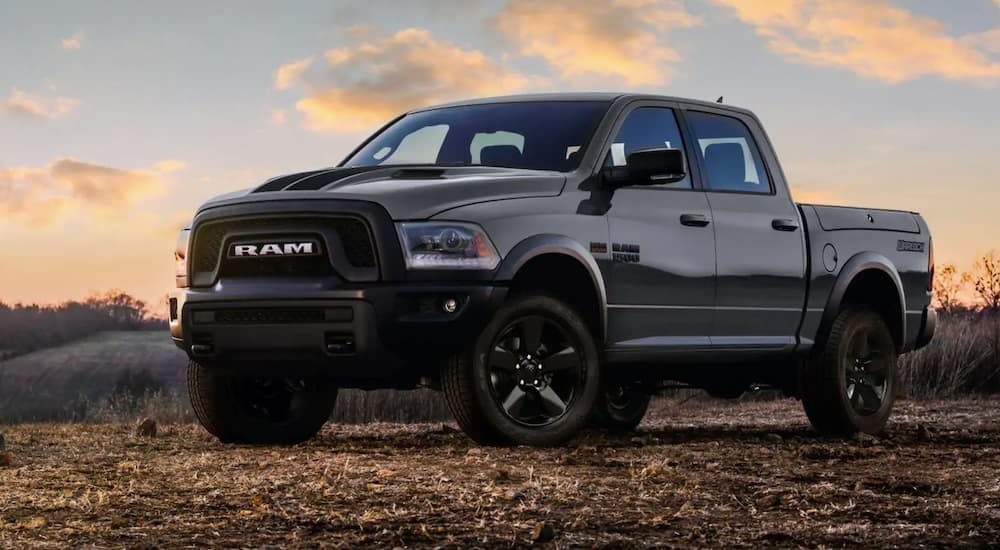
[(547, 262)]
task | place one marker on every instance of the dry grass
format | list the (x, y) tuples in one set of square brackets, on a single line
[(71, 382), (736, 475), (962, 359)]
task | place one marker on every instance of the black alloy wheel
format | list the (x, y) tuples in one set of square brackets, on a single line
[(271, 399), (259, 410), (532, 377), (621, 407), (848, 385), (536, 372), (865, 368)]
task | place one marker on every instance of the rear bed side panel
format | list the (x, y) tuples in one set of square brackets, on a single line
[(899, 241)]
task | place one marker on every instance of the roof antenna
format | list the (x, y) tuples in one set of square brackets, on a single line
[(719, 100)]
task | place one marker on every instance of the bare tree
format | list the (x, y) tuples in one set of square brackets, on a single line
[(122, 308), (985, 279), (947, 287)]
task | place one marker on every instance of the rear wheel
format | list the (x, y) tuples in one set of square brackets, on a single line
[(259, 410), (620, 408), (532, 378), (849, 386)]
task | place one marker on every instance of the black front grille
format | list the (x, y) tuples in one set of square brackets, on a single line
[(310, 266), (212, 238)]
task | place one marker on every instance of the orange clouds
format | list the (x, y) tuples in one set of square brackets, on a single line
[(870, 37), (360, 87), (73, 42), (286, 75), (623, 39), (43, 196), (23, 104)]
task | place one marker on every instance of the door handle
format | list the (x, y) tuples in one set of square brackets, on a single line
[(782, 224), (694, 220)]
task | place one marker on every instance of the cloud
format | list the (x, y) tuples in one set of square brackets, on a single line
[(73, 42), (66, 187), (988, 41), (20, 103), (286, 75), (278, 117), (361, 86), (623, 39), (167, 166), (869, 37)]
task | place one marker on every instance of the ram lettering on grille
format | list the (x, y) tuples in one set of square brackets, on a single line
[(243, 250)]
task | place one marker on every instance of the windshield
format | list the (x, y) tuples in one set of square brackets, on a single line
[(540, 135)]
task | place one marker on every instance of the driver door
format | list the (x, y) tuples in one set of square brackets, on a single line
[(661, 291)]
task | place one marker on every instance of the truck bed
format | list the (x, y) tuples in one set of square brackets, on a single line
[(843, 238)]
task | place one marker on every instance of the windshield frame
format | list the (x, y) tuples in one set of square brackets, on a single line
[(586, 142)]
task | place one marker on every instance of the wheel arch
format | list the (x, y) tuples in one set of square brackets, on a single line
[(563, 251), (868, 278)]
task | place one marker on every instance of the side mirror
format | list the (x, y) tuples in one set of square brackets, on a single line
[(655, 166)]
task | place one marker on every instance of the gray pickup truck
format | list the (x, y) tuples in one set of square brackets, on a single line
[(548, 262)]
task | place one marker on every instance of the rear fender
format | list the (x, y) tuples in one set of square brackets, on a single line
[(857, 265)]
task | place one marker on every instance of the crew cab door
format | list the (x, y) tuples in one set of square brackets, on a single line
[(759, 241), (661, 281)]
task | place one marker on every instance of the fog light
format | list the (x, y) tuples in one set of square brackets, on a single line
[(450, 305)]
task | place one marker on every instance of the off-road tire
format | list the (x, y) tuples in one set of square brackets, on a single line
[(219, 409), (467, 388), (457, 385), (620, 413), (824, 381)]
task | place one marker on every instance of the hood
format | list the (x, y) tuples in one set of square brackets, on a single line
[(407, 192)]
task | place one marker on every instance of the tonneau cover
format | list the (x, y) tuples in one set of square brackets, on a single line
[(834, 218)]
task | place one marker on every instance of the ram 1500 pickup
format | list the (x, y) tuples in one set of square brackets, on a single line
[(548, 262)]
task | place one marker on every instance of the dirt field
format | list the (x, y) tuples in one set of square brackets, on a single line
[(740, 475)]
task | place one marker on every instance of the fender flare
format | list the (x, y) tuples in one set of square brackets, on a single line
[(537, 245), (861, 262)]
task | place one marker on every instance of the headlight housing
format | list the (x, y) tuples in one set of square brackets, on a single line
[(180, 258), (447, 245)]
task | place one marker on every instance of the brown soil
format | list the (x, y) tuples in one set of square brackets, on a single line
[(719, 475)]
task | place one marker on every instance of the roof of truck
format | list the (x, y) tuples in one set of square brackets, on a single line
[(582, 96)]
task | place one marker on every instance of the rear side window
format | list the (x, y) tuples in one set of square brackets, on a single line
[(647, 128), (729, 153)]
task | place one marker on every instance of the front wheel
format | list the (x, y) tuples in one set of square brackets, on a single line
[(532, 378), (259, 410), (849, 386)]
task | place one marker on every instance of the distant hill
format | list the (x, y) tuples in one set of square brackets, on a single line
[(59, 383)]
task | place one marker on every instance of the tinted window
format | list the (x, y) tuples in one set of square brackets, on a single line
[(732, 160), (645, 128), (540, 135)]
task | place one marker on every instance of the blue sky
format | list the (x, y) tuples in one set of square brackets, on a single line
[(118, 118)]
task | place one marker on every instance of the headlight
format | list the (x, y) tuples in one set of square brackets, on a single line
[(447, 245), (180, 258)]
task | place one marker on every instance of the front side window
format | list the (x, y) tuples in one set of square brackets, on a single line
[(647, 128), (534, 135), (729, 153)]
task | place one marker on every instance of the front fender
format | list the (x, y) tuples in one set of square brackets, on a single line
[(537, 245)]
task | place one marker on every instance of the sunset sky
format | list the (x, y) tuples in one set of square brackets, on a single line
[(117, 118)]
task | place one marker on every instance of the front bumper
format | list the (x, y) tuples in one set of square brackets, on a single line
[(381, 336)]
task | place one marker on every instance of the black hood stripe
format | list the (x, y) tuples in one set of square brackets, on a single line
[(281, 182), (311, 181), (318, 181)]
